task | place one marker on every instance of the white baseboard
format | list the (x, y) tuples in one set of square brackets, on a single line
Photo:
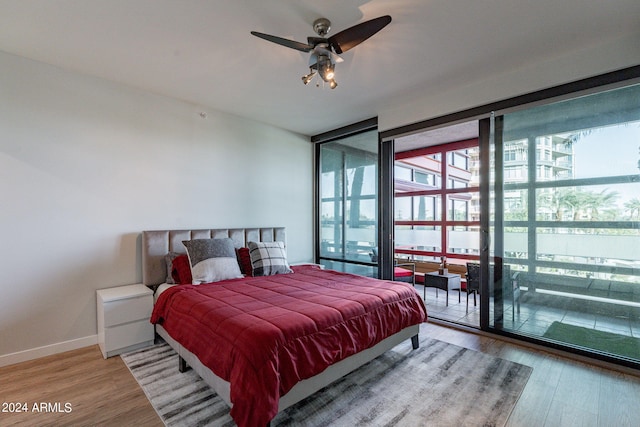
[(47, 350)]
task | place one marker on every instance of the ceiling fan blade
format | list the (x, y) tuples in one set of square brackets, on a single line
[(351, 37), (284, 42)]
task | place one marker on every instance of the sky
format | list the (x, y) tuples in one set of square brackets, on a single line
[(621, 156)]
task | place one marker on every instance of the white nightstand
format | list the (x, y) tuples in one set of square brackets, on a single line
[(123, 319)]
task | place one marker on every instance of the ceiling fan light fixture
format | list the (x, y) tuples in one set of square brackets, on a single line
[(325, 51), (306, 79), (329, 73), (326, 68)]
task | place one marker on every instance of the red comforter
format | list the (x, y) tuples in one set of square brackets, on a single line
[(264, 334)]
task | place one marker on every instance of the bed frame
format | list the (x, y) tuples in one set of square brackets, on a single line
[(156, 244)]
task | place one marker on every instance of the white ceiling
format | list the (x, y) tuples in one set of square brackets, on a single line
[(201, 51), (442, 135)]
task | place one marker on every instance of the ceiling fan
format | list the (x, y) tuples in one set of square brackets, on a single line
[(325, 51)]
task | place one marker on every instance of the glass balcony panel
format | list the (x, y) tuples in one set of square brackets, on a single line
[(463, 240), (418, 238)]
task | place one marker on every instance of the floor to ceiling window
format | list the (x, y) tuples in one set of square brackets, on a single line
[(348, 198), (547, 200), (565, 223)]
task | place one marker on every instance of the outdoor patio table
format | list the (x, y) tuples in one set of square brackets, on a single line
[(446, 282)]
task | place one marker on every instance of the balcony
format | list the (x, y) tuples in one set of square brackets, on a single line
[(552, 308)]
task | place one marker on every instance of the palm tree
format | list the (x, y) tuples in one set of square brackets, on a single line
[(633, 206), (580, 202), (573, 199), (603, 199)]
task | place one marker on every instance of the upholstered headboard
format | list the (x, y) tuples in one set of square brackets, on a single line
[(156, 244)]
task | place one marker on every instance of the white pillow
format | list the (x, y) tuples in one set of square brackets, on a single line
[(212, 260)]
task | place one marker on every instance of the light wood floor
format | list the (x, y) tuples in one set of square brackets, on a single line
[(101, 392), (560, 391)]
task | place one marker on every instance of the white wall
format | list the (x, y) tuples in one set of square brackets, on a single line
[(454, 96), (86, 164)]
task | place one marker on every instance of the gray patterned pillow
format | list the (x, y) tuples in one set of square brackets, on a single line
[(169, 261), (268, 258), (212, 260)]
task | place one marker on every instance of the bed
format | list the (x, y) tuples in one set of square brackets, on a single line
[(296, 366)]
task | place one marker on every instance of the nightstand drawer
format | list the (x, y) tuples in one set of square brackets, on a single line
[(123, 336), (127, 310)]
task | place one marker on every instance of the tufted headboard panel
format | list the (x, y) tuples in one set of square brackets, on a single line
[(157, 243)]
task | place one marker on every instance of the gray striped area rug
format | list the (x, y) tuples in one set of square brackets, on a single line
[(439, 384)]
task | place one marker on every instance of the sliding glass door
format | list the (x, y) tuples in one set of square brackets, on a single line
[(564, 223), (348, 211)]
